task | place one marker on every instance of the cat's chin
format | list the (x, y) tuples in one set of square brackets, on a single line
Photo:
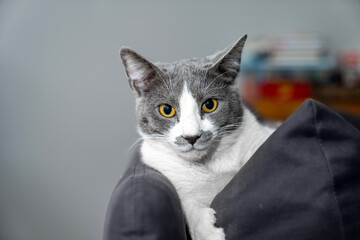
[(191, 153)]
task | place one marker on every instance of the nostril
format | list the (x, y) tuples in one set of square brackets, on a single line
[(192, 139)]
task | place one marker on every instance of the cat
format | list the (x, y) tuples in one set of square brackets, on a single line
[(195, 128)]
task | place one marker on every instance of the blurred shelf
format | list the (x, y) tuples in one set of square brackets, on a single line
[(280, 110), (280, 72)]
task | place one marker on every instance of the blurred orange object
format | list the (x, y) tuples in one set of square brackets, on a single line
[(276, 109)]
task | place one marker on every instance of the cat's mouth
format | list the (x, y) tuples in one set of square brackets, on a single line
[(192, 148), (194, 151), (191, 152)]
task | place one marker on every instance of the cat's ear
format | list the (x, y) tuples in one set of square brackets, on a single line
[(229, 63), (141, 73)]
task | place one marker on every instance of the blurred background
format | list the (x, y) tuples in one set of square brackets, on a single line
[(67, 122)]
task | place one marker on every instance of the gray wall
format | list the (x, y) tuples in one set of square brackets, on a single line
[(66, 111)]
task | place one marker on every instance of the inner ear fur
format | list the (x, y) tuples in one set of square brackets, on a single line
[(141, 72)]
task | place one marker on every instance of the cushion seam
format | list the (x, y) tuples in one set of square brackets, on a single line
[(329, 170)]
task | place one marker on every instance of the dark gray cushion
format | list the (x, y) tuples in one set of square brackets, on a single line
[(302, 183), (144, 205)]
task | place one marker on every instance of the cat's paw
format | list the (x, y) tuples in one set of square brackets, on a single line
[(205, 229)]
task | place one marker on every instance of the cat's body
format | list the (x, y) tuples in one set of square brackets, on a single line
[(195, 129)]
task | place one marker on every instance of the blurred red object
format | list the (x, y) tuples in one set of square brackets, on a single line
[(286, 91)]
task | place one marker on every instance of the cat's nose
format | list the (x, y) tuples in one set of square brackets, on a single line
[(192, 139)]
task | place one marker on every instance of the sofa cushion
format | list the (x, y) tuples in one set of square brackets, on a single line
[(144, 205), (302, 183)]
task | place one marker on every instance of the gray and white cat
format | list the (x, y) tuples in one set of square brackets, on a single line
[(195, 129)]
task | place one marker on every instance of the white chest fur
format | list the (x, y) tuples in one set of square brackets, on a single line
[(198, 184)]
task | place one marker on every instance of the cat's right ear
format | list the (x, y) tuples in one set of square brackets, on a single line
[(228, 66), (141, 72)]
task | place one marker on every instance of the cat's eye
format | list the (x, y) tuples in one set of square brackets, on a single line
[(209, 105), (167, 111)]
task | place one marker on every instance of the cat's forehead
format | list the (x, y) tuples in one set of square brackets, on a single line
[(189, 66), (192, 73), (189, 70)]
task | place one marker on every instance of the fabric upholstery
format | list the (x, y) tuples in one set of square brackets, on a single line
[(144, 205), (302, 183)]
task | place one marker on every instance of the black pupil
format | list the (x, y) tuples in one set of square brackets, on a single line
[(167, 109), (209, 104)]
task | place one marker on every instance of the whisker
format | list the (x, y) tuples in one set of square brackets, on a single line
[(154, 136), (135, 142)]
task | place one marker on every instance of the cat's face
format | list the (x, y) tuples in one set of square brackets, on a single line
[(187, 105)]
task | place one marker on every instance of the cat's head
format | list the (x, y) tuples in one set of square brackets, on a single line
[(188, 105)]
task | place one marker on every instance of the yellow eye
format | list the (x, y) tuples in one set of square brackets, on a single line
[(167, 111), (209, 105)]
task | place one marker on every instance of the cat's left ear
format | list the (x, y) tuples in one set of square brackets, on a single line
[(229, 63)]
